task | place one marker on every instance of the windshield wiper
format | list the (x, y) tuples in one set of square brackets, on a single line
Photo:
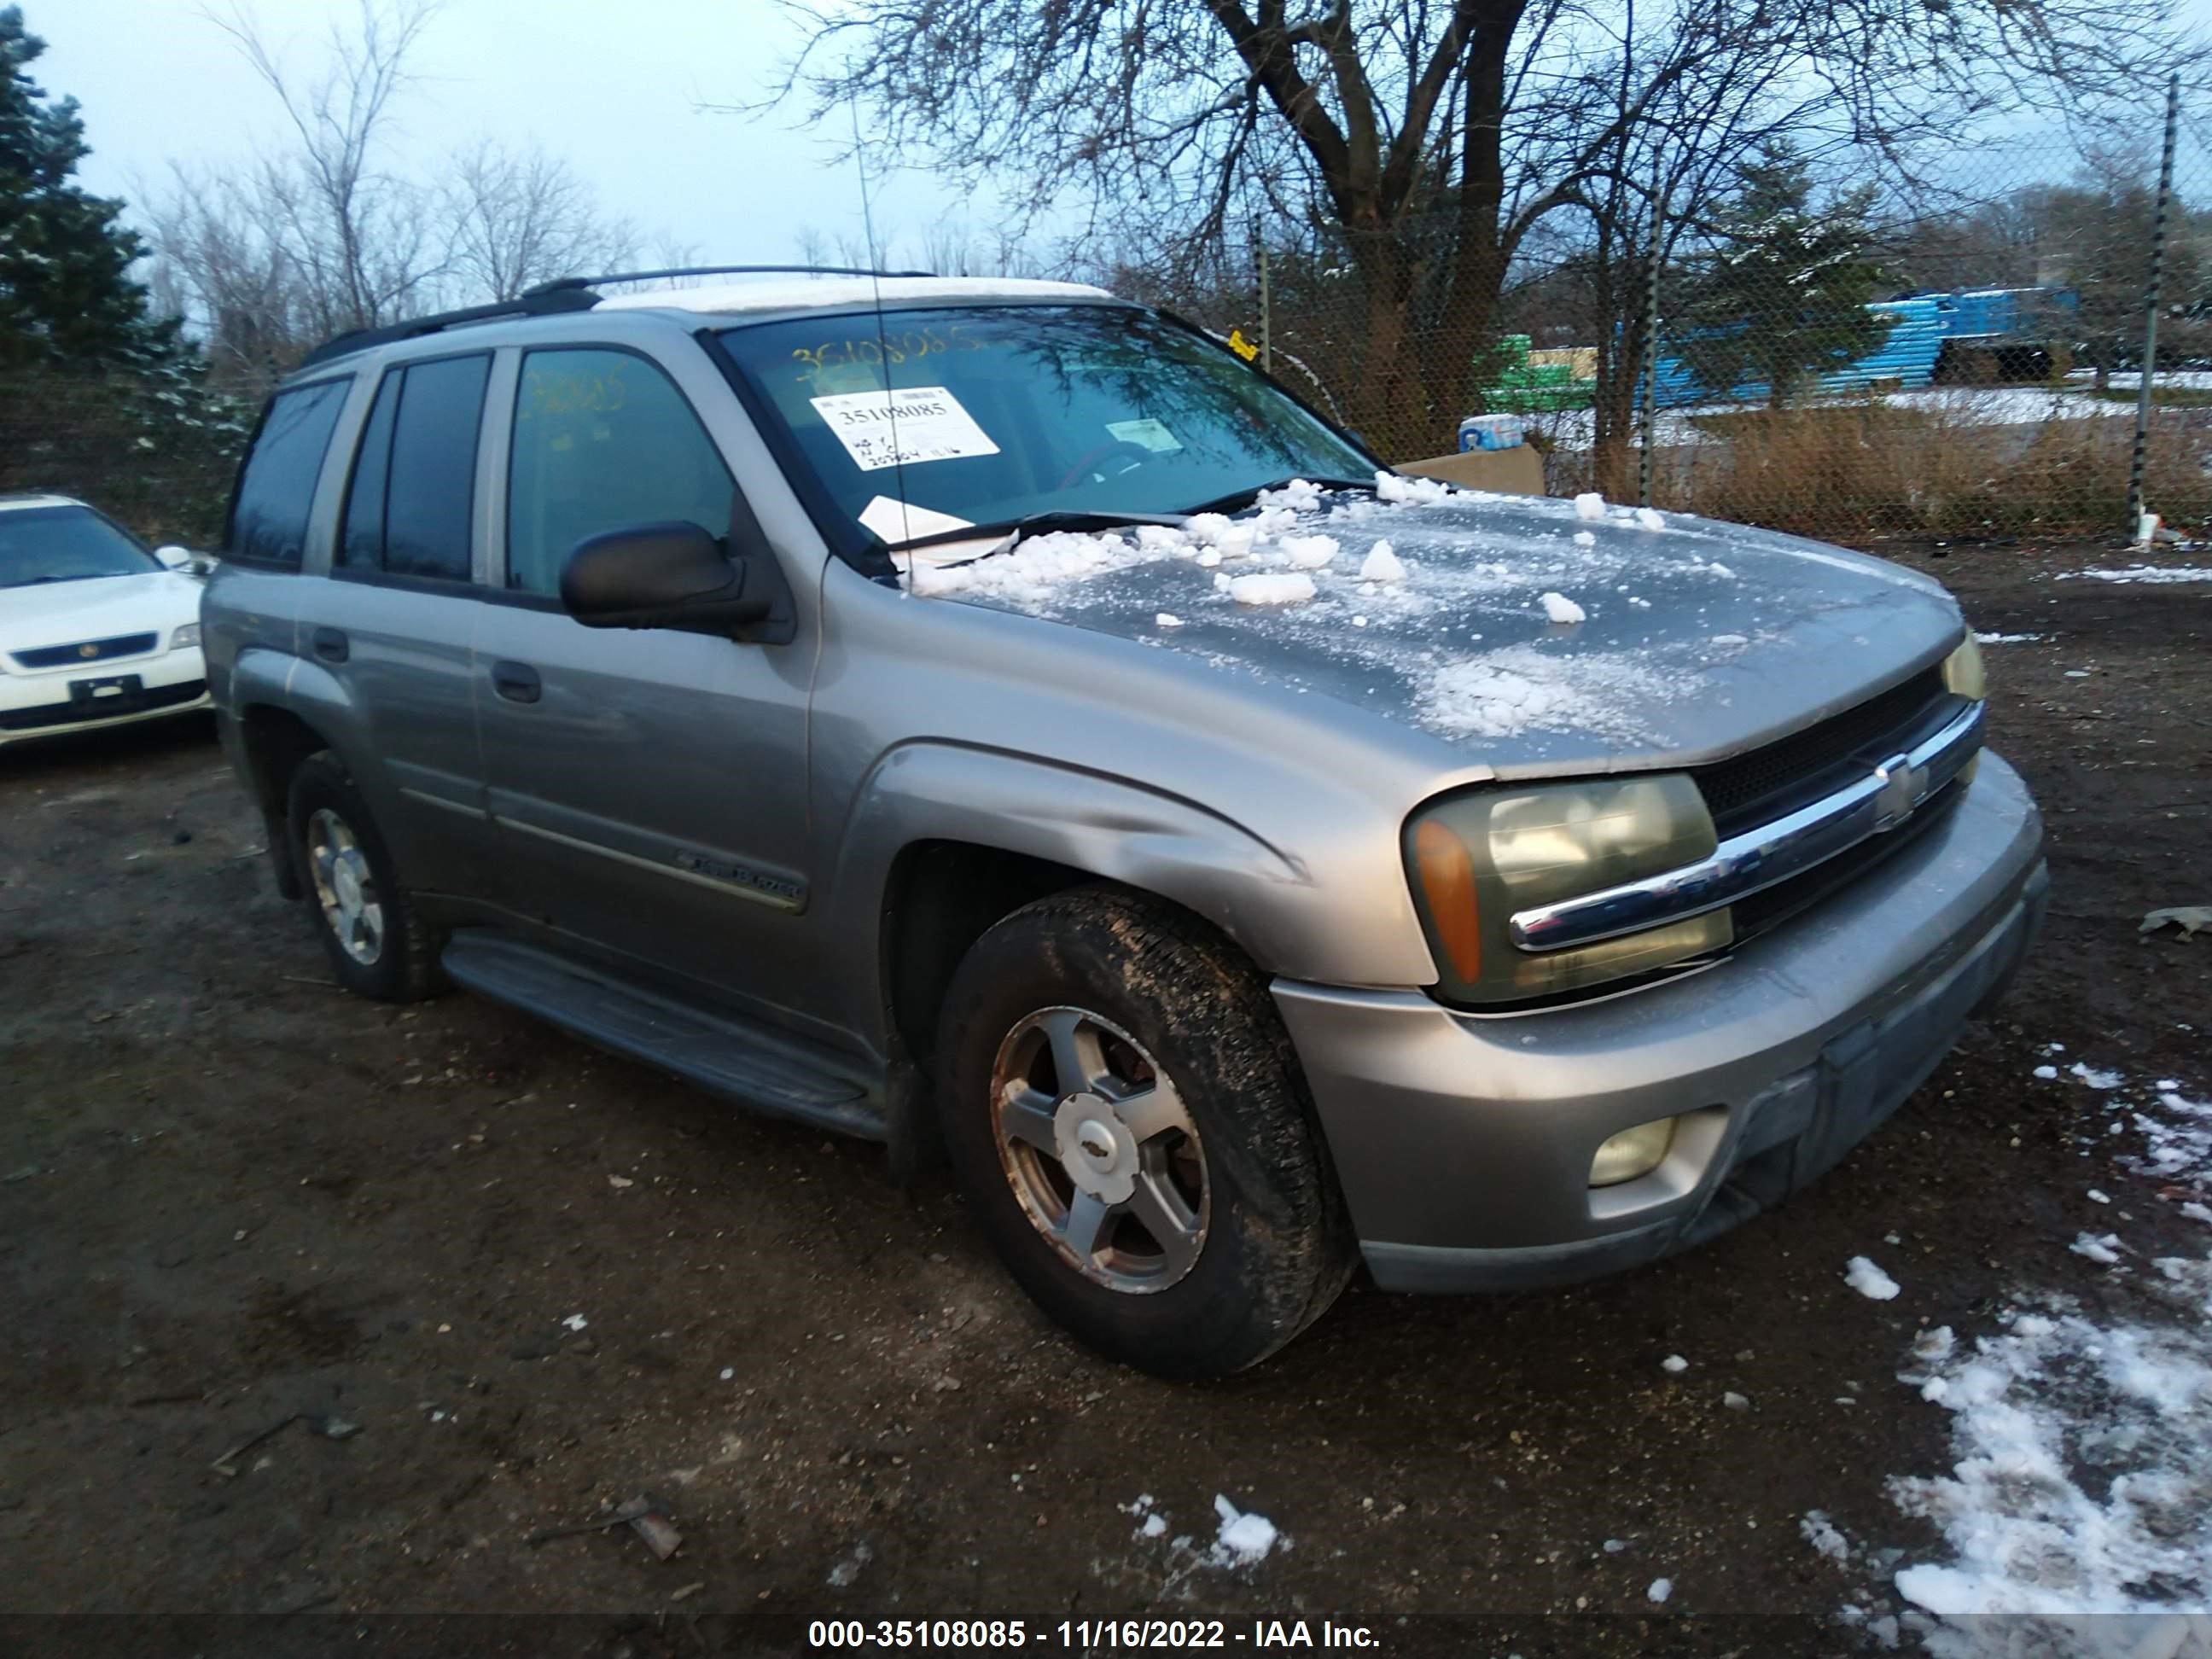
[(1035, 524), (1243, 498)]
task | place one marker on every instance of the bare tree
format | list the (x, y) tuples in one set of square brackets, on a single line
[(360, 237), (322, 235), (519, 218), (1426, 138)]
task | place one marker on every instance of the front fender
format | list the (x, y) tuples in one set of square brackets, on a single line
[(1265, 898)]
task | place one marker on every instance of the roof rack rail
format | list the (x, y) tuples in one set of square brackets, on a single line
[(532, 304), (573, 284)]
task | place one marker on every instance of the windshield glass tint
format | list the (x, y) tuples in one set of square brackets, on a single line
[(993, 413), (64, 544)]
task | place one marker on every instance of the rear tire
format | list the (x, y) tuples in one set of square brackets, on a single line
[(1123, 1112), (378, 946)]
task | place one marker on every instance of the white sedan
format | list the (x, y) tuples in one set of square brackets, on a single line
[(94, 630)]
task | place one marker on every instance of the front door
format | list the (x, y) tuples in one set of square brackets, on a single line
[(647, 787)]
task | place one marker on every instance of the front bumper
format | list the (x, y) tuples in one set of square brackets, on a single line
[(117, 693), (1464, 1142)]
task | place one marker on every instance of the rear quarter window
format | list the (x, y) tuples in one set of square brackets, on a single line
[(276, 486), (409, 510)]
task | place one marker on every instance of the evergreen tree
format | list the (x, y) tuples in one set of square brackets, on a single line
[(65, 290), (1783, 297)]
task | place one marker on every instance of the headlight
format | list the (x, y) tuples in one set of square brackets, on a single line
[(188, 635), (1477, 857), (1962, 671)]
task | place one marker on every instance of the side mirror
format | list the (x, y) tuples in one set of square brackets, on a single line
[(175, 557), (671, 575)]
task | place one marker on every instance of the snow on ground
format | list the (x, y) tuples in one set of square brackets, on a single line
[(2076, 1515), (1869, 1281), (2080, 1488), (2178, 379), (2155, 575), (1243, 1538), (1574, 429), (2006, 639)]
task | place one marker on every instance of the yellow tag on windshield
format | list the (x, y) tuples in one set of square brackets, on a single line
[(1242, 347)]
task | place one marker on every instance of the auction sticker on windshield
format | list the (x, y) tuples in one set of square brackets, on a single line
[(903, 428)]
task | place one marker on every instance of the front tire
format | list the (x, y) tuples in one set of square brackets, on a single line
[(378, 946), (1122, 1110)]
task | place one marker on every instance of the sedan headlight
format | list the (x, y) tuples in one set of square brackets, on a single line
[(1962, 671), (1477, 857), (188, 635)]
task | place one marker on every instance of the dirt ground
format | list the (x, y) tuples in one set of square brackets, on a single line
[(229, 1193)]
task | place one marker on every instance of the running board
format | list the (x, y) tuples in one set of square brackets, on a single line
[(725, 1056)]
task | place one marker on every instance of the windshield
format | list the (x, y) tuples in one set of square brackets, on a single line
[(64, 544), (1003, 411)]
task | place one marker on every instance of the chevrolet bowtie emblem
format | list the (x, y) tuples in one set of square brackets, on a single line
[(87, 651), (1902, 786)]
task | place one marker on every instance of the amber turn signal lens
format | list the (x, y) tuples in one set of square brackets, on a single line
[(1447, 872)]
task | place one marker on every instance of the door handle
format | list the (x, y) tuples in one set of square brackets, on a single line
[(331, 644), (517, 682)]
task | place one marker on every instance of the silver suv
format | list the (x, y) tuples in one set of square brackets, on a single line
[(992, 717)]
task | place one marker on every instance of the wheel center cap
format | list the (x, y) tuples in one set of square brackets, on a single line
[(347, 882), (1095, 1148)]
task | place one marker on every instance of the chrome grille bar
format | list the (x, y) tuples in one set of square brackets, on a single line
[(1761, 858)]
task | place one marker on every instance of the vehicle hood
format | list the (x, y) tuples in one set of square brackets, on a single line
[(1696, 639), (98, 608)]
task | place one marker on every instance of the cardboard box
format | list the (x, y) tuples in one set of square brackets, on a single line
[(1509, 471)]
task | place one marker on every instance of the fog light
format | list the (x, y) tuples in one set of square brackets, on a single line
[(1632, 1152)]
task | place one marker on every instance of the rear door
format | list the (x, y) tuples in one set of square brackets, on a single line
[(399, 633), (647, 786)]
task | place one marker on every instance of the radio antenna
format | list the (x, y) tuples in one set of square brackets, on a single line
[(883, 348)]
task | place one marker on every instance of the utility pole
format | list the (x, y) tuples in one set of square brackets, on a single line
[(2150, 309)]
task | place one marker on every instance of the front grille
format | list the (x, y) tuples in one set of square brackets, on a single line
[(104, 708), (1769, 782), (59, 656), (1772, 906)]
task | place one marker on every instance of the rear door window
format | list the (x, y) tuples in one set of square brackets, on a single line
[(603, 439), (413, 498), (277, 488)]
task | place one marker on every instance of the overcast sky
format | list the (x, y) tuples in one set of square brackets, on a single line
[(614, 89)]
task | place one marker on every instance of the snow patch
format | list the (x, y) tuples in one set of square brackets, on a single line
[(1869, 1281), (2153, 573), (1167, 619), (2106, 1249), (1660, 1590), (1244, 1537), (1029, 574), (1589, 505), (1310, 552), (1675, 1363), (2097, 1079), (2080, 1489), (1649, 518), (1522, 688), (1382, 564), (1583, 539), (1820, 1533), (1562, 610), (1271, 587), (1400, 489)]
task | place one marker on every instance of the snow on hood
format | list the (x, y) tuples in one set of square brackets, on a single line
[(1538, 632)]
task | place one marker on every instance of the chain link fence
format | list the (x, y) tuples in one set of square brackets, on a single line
[(1806, 353)]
